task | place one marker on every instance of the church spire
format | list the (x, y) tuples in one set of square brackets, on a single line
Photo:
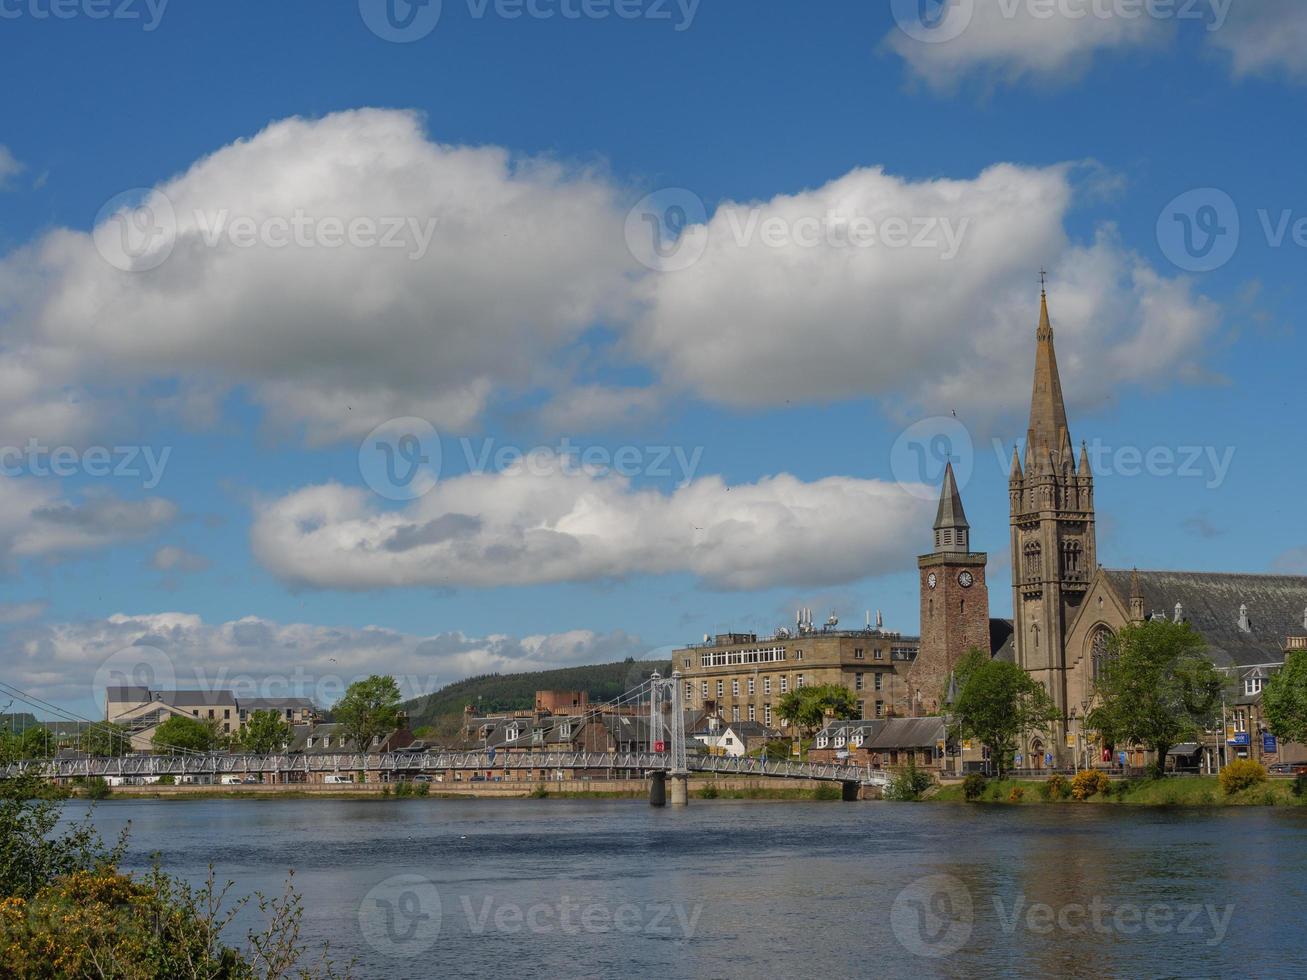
[(1048, 434), (952, 532)]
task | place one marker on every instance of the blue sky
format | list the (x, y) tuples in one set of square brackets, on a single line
[(523, 315)]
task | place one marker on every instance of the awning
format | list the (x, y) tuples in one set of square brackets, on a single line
[(1186, 748)]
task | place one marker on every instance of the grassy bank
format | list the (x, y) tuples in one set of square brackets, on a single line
[(1185, 791)]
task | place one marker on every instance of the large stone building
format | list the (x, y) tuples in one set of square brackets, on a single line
[(1066, 608), (744, 678)]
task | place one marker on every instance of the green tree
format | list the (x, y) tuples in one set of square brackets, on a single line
[(1157, 688), (186, 734), (808, 707), (105, 740), (266, 732), (998, 704), (37, 742), (369, 709), (1284, 699)]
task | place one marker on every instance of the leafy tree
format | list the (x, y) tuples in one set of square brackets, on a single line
[(105, 740), (998, 703), (1284, 699), (808, 707), (266, 732), (1157, 688), (369, 709), (187, 734)]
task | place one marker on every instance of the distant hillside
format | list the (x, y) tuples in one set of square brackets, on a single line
[(443, 710)]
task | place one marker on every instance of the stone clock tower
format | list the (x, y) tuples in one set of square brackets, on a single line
[(954, 602)]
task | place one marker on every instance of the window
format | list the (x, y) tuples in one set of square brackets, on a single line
[(879, 654), (839, 741), (735, 712), (1252, 685), (798, 681), (210, 712), (766, 685), (857, 682), (226, 712), (1240, 721), (689, 690), (856, 740), (1033, 556), (785, 683), (1100, 650), (751, 712), (766, 714), (751, 685), (565, 730), (880, 680), (880, 709), (798, 654), (859, 653), (705, 689), (735, 689), (822, 741), (721, 686)]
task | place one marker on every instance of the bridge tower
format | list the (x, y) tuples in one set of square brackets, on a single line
[(667, 737)]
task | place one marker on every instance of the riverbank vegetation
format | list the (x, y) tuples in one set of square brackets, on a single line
[(66, 910), (1240, 788)]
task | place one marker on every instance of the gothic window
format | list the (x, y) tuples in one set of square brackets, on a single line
[(1032, 561), (1071, 551), (1099, 650)]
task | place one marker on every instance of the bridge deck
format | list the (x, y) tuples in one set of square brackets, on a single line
[(412, 763)]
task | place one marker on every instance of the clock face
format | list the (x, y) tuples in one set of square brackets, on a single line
[(965, 580), (931, 580)]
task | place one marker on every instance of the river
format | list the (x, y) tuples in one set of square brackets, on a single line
[(447, 888)]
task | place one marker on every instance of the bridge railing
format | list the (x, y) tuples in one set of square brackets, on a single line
[(217, 765)]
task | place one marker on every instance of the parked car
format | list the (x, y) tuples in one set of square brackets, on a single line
[(251, 779), (339, 777), (1288, 769), (421, 779)]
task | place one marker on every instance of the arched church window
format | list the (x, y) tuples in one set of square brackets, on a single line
[(1100, 649), (1033, 555)]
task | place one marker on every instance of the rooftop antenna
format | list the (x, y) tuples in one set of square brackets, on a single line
[(880, 620)]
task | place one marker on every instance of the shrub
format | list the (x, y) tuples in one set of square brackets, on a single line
[(168, 779), (1240, 774), (973, 787), (1055, 788), (827, 792), (1120, 788), (385, 789), (541, 792), (1299, 785), (908, 783), (1017, 795), (97, 788), (708, 792), (403, 788), (421, 789), (1089, 783)]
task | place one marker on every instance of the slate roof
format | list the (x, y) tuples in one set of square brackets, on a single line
[(1001, 643), (889, 733), (1277, 608), (180, 699), (274, 704)]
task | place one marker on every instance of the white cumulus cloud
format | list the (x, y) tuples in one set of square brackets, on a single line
[(541, 521)]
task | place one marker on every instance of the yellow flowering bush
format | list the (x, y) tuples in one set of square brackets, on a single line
[(1240, 774), (1090, 782)]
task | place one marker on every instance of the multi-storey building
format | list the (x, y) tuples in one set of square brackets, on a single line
[(744, 678)]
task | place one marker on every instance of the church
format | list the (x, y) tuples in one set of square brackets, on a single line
[(1066, 607)]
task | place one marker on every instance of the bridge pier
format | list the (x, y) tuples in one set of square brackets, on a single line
[(680, 789), (658, 788), (850, 791)]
